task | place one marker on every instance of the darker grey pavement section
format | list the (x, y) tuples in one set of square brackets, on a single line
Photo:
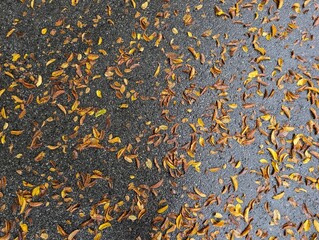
[(159, 119)]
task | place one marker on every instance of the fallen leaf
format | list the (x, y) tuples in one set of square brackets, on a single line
[(163, 209), (74, 2), (273, 153), (104, 225), (316, 225), (72, 234), (235, 182), (279, 196)]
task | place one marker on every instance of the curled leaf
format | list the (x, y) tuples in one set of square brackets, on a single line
[(163, 209), (235, 182), (72, 234), (279, 196), (273, 153)]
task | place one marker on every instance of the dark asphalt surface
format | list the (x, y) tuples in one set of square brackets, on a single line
[(159, 119)]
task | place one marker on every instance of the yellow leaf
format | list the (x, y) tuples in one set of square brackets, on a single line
[(120, 152), (233, 105), (200, 193), (124, 105), (104, 225), (53, 147), (280, 3), (100, 41), (273, 153), (115, 140), (157, 71), (275, 166), (15, 57), (16, 132), (144, 5), (74, 2), (10, 32), (260, 49), (9, 74), (98, 236), (62, 108), (163, 209), (307, 225), (24, 227), (302, 82), (36, 191), (220, 223), (279, 196), (22, 203), (262, 58), (277, 215), (50, 61), (219, 11), (273, 30), (100, 112), (72, 234), (200, 122), (313, 89), (57, 73), (149, 163), (40, 156), (2, 91), (61, 230), (39, 81), (99, 93), (3, 113), (170, 165), (190, 153), (93, 57), (132, 217), (179, 221), (293, 26), (163, 127), (75, 105), (216, 169), (3, 139), (283, 156), (235, 182), (316, 225), (133, 3), (253, 74), (286, 110), (201, 141), (266, 117), (44, 31)]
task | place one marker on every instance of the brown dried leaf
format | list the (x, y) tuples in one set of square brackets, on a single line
[(72, 234), (61, 231), (158, 184), (6, 237), (188, 20)]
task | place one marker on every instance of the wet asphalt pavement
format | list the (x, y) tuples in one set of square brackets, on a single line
[(159, 119)]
